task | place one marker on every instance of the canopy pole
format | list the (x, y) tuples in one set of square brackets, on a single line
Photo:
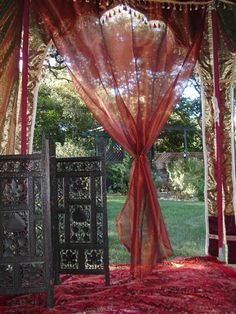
[(25, 57), (218, 127)]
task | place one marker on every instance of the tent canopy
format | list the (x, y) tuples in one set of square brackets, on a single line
[(130, 61)]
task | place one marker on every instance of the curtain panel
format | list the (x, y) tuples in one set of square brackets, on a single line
[(227, 62), (10, 38), (130, 66)]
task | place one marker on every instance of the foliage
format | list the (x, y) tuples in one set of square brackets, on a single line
[(48, 118), (118, 175), (62, 114), (161, 184), (186, 114), (72, 149), (184, 221), (187, 177)]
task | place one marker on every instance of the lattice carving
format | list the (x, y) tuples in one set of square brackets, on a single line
[(80, 223), (78, 166), (69, 259), (7, 276), (80, 217), (99, 224), (61, 227), (94, 259), (25, 223), (20, 166), (98, 189), (31, 274), (39, 237), (79, 188), (14, 190), (60, 193), (37, 196), (15, 234)]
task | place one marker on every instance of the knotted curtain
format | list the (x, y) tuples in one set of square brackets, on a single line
[(130, 64)]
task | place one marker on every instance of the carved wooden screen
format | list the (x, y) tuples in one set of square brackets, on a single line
[(80, 218), (25, 223)]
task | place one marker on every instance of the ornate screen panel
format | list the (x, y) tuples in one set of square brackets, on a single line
[(25, 238), (80, 219)]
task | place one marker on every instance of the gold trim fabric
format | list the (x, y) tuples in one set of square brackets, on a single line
[(226, 69), (38, 45)]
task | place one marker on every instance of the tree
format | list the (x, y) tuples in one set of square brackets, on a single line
[(61, 113), (186, 115)]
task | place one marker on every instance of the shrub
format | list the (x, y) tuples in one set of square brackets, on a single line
[(187, 177), (118, 176), (72, 149)]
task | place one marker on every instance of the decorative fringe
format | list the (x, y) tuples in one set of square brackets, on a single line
[(165, 4), (124, 8)]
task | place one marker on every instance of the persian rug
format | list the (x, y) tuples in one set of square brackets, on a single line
[(182, 285)]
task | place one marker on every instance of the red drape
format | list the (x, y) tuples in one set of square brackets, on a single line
[(130, 67), (10, 39)]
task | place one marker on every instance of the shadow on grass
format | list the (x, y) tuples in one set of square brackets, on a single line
[(185, 224)]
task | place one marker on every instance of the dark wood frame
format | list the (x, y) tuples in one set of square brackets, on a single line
[(31, 259), (81, 247)]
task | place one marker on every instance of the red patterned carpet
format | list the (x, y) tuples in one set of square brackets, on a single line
[(182, 285)]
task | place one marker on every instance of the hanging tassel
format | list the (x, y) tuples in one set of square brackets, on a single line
[(102, 4)]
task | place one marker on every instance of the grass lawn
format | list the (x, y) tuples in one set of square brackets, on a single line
[(184, 221)]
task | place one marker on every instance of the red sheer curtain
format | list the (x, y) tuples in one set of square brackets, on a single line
[(130, 67)]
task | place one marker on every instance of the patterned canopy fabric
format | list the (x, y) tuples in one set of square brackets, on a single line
[(227, 60)]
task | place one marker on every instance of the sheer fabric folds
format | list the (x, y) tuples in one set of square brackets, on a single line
[(10, 38), (130, 66)]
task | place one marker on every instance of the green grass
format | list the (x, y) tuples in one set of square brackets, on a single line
[(184, 221)]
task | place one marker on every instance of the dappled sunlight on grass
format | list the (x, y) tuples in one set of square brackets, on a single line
[(184, 221)]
